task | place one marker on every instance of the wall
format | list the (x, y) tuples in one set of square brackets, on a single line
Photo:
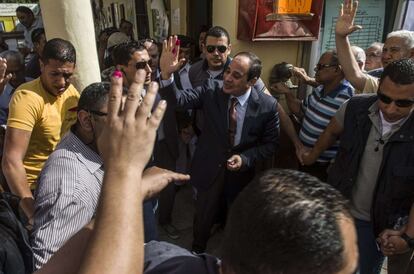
[(130, 14), (225, 14), (178, 16)]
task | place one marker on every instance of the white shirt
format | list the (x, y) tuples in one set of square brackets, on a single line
[(241, 108)]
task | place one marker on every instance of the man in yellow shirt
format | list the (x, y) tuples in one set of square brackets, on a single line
[(40, 113)]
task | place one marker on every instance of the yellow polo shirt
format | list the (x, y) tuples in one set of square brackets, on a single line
[(47, 117)]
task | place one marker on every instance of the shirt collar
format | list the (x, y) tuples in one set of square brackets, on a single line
[(92, 161), (243, 98), (185, 68)]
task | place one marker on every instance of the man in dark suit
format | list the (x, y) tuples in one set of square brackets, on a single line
[(241, 127)]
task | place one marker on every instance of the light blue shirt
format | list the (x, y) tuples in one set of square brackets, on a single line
[(5, 98), (241, 108)]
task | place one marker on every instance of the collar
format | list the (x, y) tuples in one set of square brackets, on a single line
[(92, 161), (243, 98), (220, 76), (185, 68), (344, 84)]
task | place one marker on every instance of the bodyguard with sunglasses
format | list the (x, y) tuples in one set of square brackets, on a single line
[(374, 167)]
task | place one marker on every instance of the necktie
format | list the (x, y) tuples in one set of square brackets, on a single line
[(232, 120)]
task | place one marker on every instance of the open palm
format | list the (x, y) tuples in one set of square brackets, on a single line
[(345, 23), (169, 62)]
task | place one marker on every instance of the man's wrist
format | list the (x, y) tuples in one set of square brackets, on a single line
[(165, 75), (409, 240)]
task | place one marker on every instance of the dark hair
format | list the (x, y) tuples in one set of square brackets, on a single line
[(281, 217), (217, 32), (255, 68), (400, 72), (24, 9), (36, 34), (122, 53), (204, 28), (95, 95), (10, 55), (186, 42), (60, 50)]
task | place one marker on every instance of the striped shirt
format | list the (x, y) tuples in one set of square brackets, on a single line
[(319, 108), (67, 196)]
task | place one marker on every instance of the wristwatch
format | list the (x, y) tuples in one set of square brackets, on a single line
[(408, 239)]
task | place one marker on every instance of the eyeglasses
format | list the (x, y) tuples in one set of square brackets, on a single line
[(97, 112), (221, 48), (143, 64), (323, 66), (402, 103)]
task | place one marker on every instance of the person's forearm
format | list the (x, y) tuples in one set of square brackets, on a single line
[(118, 221), (325, 141), (410, 226), (294, 104), (15, 175), (348, 63), (287, 126)]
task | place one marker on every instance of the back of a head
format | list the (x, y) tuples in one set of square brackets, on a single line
[(359, 54), (407, 35), (400, 72), (218, 32), (37, 34), (24, 9), (60, 50), (13, 56), (286, 222)]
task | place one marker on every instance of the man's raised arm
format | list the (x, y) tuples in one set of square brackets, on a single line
[(344, 27)]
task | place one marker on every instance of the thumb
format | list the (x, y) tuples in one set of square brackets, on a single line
[(6, 79), (182, 61), (355, 28)]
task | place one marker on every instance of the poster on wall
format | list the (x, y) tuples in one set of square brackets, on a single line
[(370, 15), (160, 22), (261, 20)]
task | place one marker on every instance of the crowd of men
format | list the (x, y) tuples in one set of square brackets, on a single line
[(85, 175)]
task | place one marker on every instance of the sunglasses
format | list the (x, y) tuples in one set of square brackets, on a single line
[(402, 103), (97, 112), (323, 66), (143, 64), (221, 48)]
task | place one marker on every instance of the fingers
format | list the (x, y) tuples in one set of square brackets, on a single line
[(159, 111), (115, 95), (174, 176), (134, 95), (144, 110)]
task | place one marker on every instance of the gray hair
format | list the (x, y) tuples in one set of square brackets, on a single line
[(359, 54), (407, 35), (376, 45)]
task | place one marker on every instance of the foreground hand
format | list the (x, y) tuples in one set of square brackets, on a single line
[(155, 179), (4, 79), (300, 150), (391, 242), (234, 163), (169, 62), (307, 156), (128, 135), (345, 23)]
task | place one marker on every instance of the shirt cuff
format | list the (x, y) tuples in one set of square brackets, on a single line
[(166, 83)]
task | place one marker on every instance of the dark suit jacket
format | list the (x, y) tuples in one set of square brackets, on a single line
[(259, 138)]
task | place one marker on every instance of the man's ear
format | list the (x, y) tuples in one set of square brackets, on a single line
[(229, 48), (412, 53), (252, 82), (42, 65), (84, 119)]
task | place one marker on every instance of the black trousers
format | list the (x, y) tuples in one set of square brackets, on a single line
[(208, 206)]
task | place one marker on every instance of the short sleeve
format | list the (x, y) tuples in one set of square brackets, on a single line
[(24, 110), (371, 84)]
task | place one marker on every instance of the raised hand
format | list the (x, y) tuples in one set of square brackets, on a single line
[(155, 179), (345, 23), (4, 79), (169, 62), (129, 133)]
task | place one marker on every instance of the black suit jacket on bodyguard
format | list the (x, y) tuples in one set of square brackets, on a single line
[(259, 138)]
